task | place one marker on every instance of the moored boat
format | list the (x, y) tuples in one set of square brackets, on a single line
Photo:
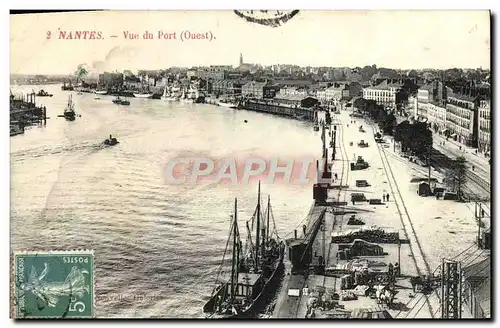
[(16, 129), (227, 103), (143, 95), (255, 269), (43, 93), (67, 87), (168, 95), (69, 112), (117, 100), (101, 92), (125, 102)]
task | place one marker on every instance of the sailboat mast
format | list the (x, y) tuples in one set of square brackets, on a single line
[(257, 242), (268, 213), (234, 266)]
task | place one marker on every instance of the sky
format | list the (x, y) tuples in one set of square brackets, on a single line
[(393, 39)]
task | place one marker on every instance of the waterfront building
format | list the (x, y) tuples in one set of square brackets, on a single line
[(431, 104), (384, 93), (292, 91), (270, 90), (336, 93), (221, 87), (226, 87), (462, 118), (253, 89), (484, 126), (213, 73), (436, 116), (297, 101), (424, 98)]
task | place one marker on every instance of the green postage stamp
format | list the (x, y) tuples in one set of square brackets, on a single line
[(53, 284)]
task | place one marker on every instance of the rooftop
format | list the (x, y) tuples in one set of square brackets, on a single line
[(462, 97), (255, 84), (294, 98), (386, 86)]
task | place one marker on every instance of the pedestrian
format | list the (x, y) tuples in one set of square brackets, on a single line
[(383, 197), (482, 213), (396, 269), (390, 270), (387, 196)]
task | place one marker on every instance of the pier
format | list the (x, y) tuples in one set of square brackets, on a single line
[(331, 253), (304, 112)]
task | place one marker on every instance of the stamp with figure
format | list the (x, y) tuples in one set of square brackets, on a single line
[(53, 284)]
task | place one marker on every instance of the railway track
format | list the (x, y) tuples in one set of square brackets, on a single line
[(344, 176), (475, 187), (476, 179), (419, 259)]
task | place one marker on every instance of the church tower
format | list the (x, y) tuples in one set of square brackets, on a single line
[(241, 59)]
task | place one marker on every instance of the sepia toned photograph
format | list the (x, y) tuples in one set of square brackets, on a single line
[(250, 164)]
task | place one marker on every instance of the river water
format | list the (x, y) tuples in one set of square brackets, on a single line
[(157, 245)]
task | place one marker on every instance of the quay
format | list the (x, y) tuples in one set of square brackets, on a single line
[(333, 254), (297, 108)]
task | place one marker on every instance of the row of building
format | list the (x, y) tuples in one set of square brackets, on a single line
[(464, 118)]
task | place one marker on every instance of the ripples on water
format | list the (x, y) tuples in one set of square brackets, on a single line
[(163, 242)]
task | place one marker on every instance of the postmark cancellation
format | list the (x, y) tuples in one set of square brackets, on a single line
[(52, 284)]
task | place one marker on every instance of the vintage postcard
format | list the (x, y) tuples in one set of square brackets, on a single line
[(257, 164)]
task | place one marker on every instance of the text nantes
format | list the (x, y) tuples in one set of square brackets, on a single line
[(80, 35)]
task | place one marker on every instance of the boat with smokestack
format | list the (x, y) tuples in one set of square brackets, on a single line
[(256, 268), (69, 112)]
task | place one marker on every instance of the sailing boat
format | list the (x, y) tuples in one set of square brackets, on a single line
[(255, 270), (168, 95), (185, 97), (69, 112)]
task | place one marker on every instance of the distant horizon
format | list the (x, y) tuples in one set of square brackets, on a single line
[(189, 67)]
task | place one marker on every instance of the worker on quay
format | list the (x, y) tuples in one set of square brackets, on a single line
[(383, 197), (387, 197), (396, 269)]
